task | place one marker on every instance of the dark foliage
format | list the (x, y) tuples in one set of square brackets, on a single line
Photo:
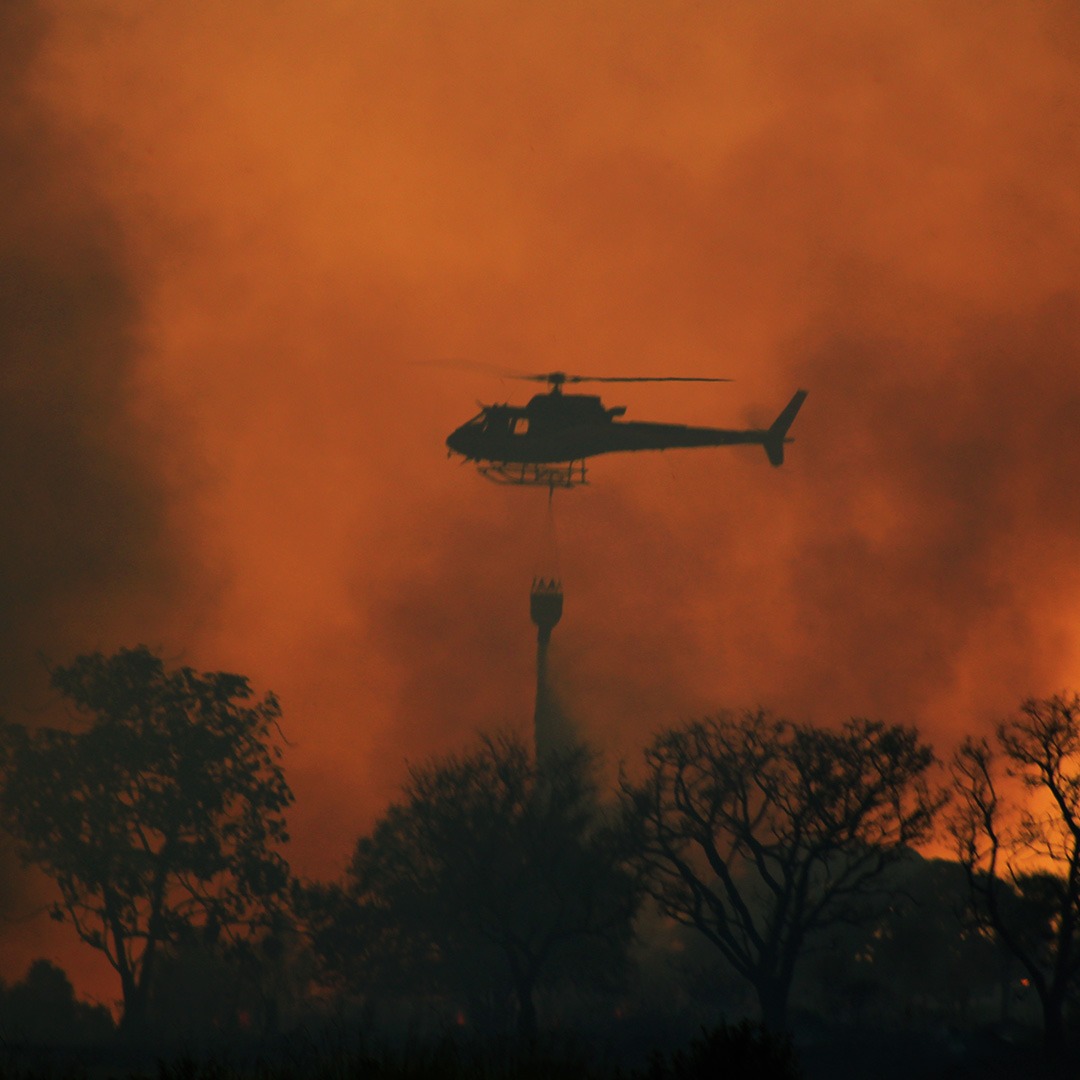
[(1017, 833), (744, 1051), (760, 833), (492, 878), (41, 1009), (919, 960), (158, 816)]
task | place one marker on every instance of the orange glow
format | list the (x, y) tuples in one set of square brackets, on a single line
[(876, 202)]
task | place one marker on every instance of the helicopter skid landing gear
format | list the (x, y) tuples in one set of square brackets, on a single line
[(566, 474)]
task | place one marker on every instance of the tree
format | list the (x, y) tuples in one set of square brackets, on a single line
[(760, 832), (157, 815), (489, 866), (920, 957), (41, 1009), (215, 992), (1017, 832)]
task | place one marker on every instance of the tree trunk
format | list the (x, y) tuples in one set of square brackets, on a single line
[(1005, 974), (772, 994), (1053, 1006), (527, 1026), (133, 1022)]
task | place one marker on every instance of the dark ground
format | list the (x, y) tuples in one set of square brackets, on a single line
[(737, 1052)]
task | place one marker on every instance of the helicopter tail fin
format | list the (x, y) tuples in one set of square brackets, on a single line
[(776, 436)]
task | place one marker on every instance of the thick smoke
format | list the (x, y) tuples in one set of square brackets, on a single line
[(83, 510), (876, 202), (84, 556), (937, 574), (894, 227)]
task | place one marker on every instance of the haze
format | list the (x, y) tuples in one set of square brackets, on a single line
[(232, 236)]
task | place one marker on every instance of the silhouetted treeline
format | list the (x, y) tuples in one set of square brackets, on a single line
[(41, 1009), (745, 868)]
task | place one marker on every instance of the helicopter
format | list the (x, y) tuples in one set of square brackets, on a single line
[(546, 441)]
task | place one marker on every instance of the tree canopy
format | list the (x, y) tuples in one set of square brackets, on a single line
[(158, 812), (1016, 826), (760, 832), (490, 869)]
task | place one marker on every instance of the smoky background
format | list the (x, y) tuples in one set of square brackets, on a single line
[(229, 234)]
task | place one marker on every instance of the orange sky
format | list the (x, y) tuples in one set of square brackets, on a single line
[(233, 230)]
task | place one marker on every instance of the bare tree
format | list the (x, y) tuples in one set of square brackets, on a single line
[(1016, 826), (760, 832)]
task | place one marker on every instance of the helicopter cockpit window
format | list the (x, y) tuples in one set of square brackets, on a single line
[(520, 426), (496, 421)]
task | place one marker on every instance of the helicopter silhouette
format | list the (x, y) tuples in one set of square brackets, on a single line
[(547, 441)]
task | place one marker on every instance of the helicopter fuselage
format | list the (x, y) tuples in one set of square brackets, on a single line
[(557, 427)]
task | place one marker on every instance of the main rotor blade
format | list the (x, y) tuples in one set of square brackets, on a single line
[(644, 378), (560, 377), (556, 378)]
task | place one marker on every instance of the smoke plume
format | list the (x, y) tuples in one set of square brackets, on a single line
[(255, 218)]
